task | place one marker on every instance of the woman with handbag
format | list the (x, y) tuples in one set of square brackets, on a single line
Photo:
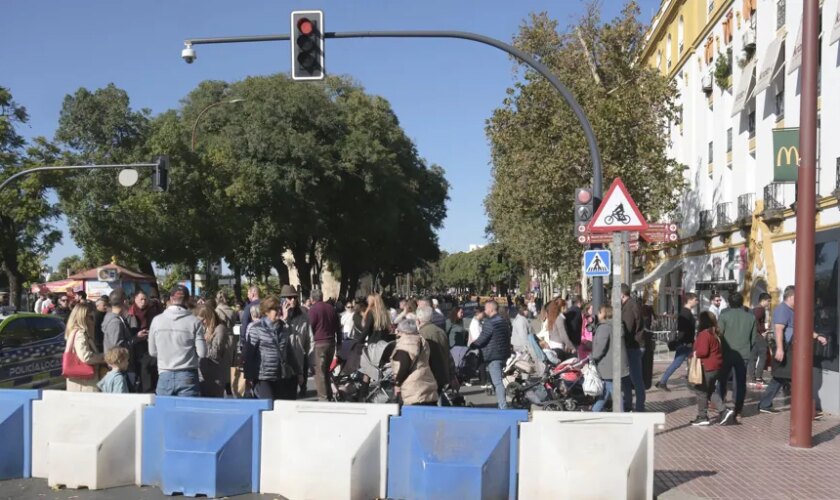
[(601, 357), (707, 350), (81, 360)]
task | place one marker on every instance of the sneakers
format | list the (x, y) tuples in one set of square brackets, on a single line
[(818, 415), (769, 410), (728, 418), (664, 387), (701, 421)]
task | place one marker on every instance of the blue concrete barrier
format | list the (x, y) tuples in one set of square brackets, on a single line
[(453, 453), (16, 429), (203, 445)]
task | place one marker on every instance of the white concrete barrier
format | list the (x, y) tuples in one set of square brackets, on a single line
[(587, 455), (325, 450), (88, 439)]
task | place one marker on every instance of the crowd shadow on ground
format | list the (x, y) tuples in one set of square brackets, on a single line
[(666, 480)]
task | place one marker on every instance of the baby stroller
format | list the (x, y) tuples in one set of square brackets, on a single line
[(358, 369), (556, 390), (375, 369), (466, 363)]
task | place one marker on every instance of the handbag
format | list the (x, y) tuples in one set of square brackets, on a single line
[(695, 371), (593, 385), (71, 365)]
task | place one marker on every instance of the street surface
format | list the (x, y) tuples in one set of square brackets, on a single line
[(748, 461)]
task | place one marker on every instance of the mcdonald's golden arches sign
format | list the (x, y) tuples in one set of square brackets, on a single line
[(785, 154)]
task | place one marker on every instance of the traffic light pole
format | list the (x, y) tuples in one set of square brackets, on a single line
[(594, 153), (26, 172)]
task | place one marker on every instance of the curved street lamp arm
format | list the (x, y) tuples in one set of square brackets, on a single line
[(28, 171)]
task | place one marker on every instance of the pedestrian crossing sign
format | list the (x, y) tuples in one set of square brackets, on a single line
[(596, 263)]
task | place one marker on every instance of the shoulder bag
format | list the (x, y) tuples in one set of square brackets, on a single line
[(71, 365), (695, 371)]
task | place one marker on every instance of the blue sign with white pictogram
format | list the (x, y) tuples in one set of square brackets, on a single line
[(596, 263)]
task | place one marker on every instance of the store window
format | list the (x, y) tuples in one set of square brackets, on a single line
[(825, 300)]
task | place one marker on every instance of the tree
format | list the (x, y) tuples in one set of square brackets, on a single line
[(539, 151), (26, 215), (70, 265)]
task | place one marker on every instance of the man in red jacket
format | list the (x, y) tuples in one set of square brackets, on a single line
[(326, 330)]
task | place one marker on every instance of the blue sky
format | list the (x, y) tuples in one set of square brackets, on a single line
[(441, 90)]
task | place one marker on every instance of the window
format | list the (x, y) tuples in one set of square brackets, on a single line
[(751, 123), (659, 59), (680, 35), (45, 328), (780, 104), (711, 152), (729, 140), (14, 334), (825, 293), (780, 13), (668, 50)]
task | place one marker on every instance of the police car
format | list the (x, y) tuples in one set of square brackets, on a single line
[(31, 346)]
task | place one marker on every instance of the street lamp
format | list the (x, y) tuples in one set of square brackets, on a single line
[(207, 108)]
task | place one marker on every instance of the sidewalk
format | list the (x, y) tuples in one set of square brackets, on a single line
[(750, 460)]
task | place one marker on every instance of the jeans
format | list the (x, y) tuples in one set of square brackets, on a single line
[(773, 388), (324, 354), (680, 355), (494, 368), (734, 361), (637, 380), (758, 358), (607, 394), (178, 383), (707, 392)]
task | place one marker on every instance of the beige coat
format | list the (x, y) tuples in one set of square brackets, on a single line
[(87, 352), (420, 386)]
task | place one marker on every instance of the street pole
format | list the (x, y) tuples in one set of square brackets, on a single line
[(615, 338), (594, 153), (26, 172), (801, 407)]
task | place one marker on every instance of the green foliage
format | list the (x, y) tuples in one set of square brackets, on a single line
[(70, 265), (478, 270), (723, 70), (538, 148)]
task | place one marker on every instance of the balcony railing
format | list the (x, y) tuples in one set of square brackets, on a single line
[(706, 219), (746, 206), (724, 221), (774, 201)]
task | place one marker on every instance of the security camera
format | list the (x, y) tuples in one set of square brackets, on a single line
[(188, 54)]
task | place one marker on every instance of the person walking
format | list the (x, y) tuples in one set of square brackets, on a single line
[(117, 332), (176, 339), (414, 382), (758, 356), (253, 301), (440, 359), (686, 330), (455, 327), (782, 349), (140, 316), (62, 310), (224, 311), (437, 317), (602, 357), (737, 332), (327, 339), (494, 343), (300, 333), (716, 306), (475, 325), (376, 322), (347, 320), (270, 362), (215, 367), (78, 333), (631, 321), (520, 328), (707, 348)]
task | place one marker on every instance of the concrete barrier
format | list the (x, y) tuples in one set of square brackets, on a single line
[(347, 441), (206, 446), (88, 439), (587, 455), (16, 429), (453, 453)]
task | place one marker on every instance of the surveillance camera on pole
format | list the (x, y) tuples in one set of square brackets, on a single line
[(188, 54), (307, 41)]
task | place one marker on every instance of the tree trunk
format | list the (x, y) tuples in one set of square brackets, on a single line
[(352, 284), (15, 287), (304, 269), (282, 270), (192, 279)]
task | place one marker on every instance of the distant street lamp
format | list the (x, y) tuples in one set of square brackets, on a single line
[(207, 108)]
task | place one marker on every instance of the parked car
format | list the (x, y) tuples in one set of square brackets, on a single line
[(31, 346)]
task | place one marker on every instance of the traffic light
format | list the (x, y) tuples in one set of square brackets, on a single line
[(307, 45), (584, 210), (160, 177)]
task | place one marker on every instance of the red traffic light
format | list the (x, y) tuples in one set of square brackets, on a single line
[(584, 196), (305, 26)]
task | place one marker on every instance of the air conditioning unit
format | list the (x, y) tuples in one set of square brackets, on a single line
[(749, 38), (707, 82)]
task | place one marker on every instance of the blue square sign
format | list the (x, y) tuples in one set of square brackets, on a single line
[(597, 263)]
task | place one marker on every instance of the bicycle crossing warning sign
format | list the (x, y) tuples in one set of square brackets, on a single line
[(618, 212), (596, 263)]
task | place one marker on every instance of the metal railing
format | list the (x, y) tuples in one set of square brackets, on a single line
[(774, 196), (723, 219), (706, 219), (746, 206)]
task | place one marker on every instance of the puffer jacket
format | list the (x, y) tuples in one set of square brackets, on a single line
[(420, 385), (268, 353), (494, 340)]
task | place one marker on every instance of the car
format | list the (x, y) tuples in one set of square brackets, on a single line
[(31, 347)]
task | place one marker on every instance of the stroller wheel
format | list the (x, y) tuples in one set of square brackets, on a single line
[(554, 406), (570, 405)]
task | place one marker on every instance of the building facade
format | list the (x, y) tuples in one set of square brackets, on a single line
[(736, 66)]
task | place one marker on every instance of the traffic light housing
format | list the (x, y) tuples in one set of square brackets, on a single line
[(307, 41), (585, 205), (160, 177)]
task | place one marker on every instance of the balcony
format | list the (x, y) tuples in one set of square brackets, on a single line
[(706, 220), (746, 206), (724, 221), (774, 202)]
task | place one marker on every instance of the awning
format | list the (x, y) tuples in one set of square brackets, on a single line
[(658, 272), (796, 58), (62, 286), (768, 66), (835, 30), (746, 83)]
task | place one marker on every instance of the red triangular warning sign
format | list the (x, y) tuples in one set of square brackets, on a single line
[(618, 212)]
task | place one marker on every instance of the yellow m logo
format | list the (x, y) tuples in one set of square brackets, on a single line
[(789, 152)]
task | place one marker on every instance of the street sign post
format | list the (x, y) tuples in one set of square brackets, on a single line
[(615, 339)]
